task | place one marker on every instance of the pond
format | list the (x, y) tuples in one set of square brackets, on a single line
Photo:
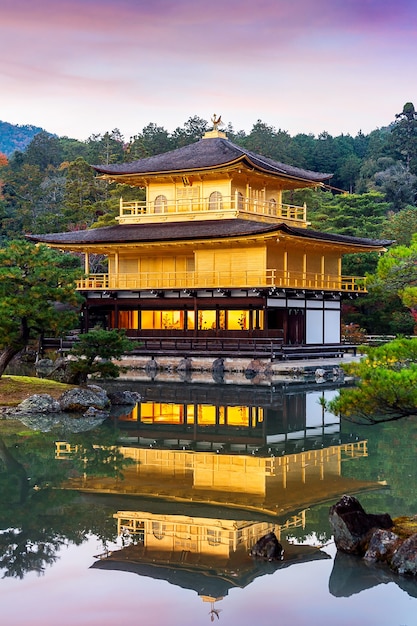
[(149, 518)]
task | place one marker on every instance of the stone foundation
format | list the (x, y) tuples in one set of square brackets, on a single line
[(237, 370)]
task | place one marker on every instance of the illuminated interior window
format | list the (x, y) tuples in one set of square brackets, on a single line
[(190, 414), (173, 320), (163, 320), (260, 320), (190, 320), (160, 413), (222, 320), (148, 320), (128, 319), (238, 415), (238, 320), (257, 415), (206, 415), (206, 320)]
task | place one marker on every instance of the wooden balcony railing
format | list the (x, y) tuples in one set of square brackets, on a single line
[(250, 279), (224, 204)]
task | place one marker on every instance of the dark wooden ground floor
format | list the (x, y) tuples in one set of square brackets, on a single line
[(216, 347)]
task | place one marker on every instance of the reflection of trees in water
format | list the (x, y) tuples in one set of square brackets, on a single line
[(391, 458), (36, 518)]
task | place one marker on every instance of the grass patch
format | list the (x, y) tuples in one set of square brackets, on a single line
[(405, 526), (15, 389)]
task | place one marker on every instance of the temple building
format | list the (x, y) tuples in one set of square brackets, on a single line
[(214, 252)]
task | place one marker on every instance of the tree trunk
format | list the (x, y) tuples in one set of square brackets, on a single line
[(6, 356), (20, 342)]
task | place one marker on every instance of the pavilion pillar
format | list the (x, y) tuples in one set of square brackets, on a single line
[(322, 271), (304, 269), (285, 267), (116, 269)]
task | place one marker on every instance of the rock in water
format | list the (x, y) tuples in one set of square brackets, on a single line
[(268, 548), (404, 560), (80, 399), (39, 403), (352, 527)]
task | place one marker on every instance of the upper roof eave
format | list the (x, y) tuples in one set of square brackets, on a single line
[(122, 234), (204, 155)]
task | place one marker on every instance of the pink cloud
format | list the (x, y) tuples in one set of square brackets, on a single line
[(287, 62)]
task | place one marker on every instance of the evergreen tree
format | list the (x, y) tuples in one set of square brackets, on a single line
[(387, 384), (33, 279), (404, 136)]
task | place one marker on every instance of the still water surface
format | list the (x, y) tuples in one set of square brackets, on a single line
[(149, 518)]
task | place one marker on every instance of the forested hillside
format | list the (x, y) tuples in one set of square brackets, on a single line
[(15, 137), (49, 186)]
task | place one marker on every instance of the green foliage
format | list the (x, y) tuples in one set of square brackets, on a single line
[(387, 387), (22, 192), (358, 215), (94, 353), (43, 151), (33, 280), (378, 312), (105, 149), (397, 273), (397, 184), (81, 193), (401, 226), (404, 136), (266, 140), (153, 140), (390, 307), (193, 130)]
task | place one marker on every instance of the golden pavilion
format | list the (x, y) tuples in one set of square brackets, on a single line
[(213, 252)]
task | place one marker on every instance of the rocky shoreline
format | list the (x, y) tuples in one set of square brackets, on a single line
[(77, 410), (376, 538)]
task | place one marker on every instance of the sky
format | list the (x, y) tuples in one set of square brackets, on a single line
[(83, 67)]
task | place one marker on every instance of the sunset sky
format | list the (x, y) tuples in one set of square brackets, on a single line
[(79, 67)]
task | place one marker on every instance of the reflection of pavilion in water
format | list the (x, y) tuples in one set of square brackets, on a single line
[(213, 475), (274, 460), (207, 555), (225, 419), (272, 486)]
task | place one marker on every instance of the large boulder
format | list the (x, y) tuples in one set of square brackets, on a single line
[(382, 546), (352, 527), (404, 560), (370, 536), (38, 403), (59, 370), (44, 367), (80, 399)]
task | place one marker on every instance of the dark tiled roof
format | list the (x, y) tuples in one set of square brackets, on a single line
[(208, 153), (183, 231)]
